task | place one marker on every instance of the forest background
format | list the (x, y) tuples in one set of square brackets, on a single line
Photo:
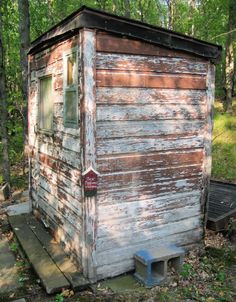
[(22, 21)]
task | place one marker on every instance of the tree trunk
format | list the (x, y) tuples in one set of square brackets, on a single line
[(127, 8), (229, 59), (24, 31), (3, 106), (170, 6), (192, 4)]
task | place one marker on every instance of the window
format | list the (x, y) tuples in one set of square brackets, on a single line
[(46, 104), (71, 114)]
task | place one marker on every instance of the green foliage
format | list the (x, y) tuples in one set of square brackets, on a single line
[(59, 298), (220, 276), (187, 270), (14, 247), (224, 145)]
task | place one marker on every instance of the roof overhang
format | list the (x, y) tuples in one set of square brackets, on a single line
[(95, 19)]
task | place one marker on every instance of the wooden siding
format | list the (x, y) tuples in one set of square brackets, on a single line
[(151, 123), (56, 157), (88, 143), (113, 44)]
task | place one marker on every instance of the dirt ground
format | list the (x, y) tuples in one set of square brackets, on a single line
[(208, 274)]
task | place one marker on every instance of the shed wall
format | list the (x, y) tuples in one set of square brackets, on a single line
[(56, 157), (152, 111)]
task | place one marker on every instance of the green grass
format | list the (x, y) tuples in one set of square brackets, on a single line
[(224, 145)]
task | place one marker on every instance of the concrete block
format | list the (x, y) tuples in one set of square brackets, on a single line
[(152, 265), (18, 209)]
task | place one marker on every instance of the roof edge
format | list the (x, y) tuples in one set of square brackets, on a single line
[(87, 17)]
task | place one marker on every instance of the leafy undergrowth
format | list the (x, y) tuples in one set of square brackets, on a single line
[(206, 276), (224, 144)]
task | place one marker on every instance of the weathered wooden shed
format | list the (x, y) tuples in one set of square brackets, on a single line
[(134, 102)]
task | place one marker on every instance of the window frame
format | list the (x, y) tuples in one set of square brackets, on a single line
[(71, 88), (40, 128)]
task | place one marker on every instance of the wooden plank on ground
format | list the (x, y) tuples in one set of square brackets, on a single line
[(51, 277), (66, 266)]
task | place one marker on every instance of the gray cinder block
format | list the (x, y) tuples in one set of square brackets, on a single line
[(152, 265)]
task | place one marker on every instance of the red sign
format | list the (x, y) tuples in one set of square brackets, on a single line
[(90, 179)]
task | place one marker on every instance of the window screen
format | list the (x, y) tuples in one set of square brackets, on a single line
[(46, 104), (71, 114)]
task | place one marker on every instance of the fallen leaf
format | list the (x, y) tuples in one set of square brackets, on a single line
[(67, 293), (210, 299)]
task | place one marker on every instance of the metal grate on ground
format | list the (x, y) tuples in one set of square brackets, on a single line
[(222, 205)]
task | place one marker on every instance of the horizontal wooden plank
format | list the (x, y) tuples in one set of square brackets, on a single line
[(67, 156), (113, 181), (115, 241), (53, 54), (150, 112), (58, 197), (164, 218), (115, 129), (120, 260), (130, 212), (73, 174), (147, 220), (124, 95), (164, 188), (110, 43), (59, 205), (155, 64), (149, 80), (135, 162), (51, 277), (57, 180), (63, 231), (71, 143), (59, 212), (128, 145)]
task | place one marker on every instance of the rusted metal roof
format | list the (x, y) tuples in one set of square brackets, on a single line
[(222, 204), (87, 17)]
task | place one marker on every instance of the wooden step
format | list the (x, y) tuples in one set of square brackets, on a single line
[(56, 252), (48, 259)]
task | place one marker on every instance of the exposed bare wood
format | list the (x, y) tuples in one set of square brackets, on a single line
[(56, 162), (137, 236), (150, 138), (112, 181), (139, 193), (112, 44), (89, 148), (139, 161), (139, 96), (147, 128), (146, 144), (143, 63), (150, 112), (150, 80), (127, 212), (208, 141)]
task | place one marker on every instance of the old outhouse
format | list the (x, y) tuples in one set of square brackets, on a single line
[(131, 104)]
